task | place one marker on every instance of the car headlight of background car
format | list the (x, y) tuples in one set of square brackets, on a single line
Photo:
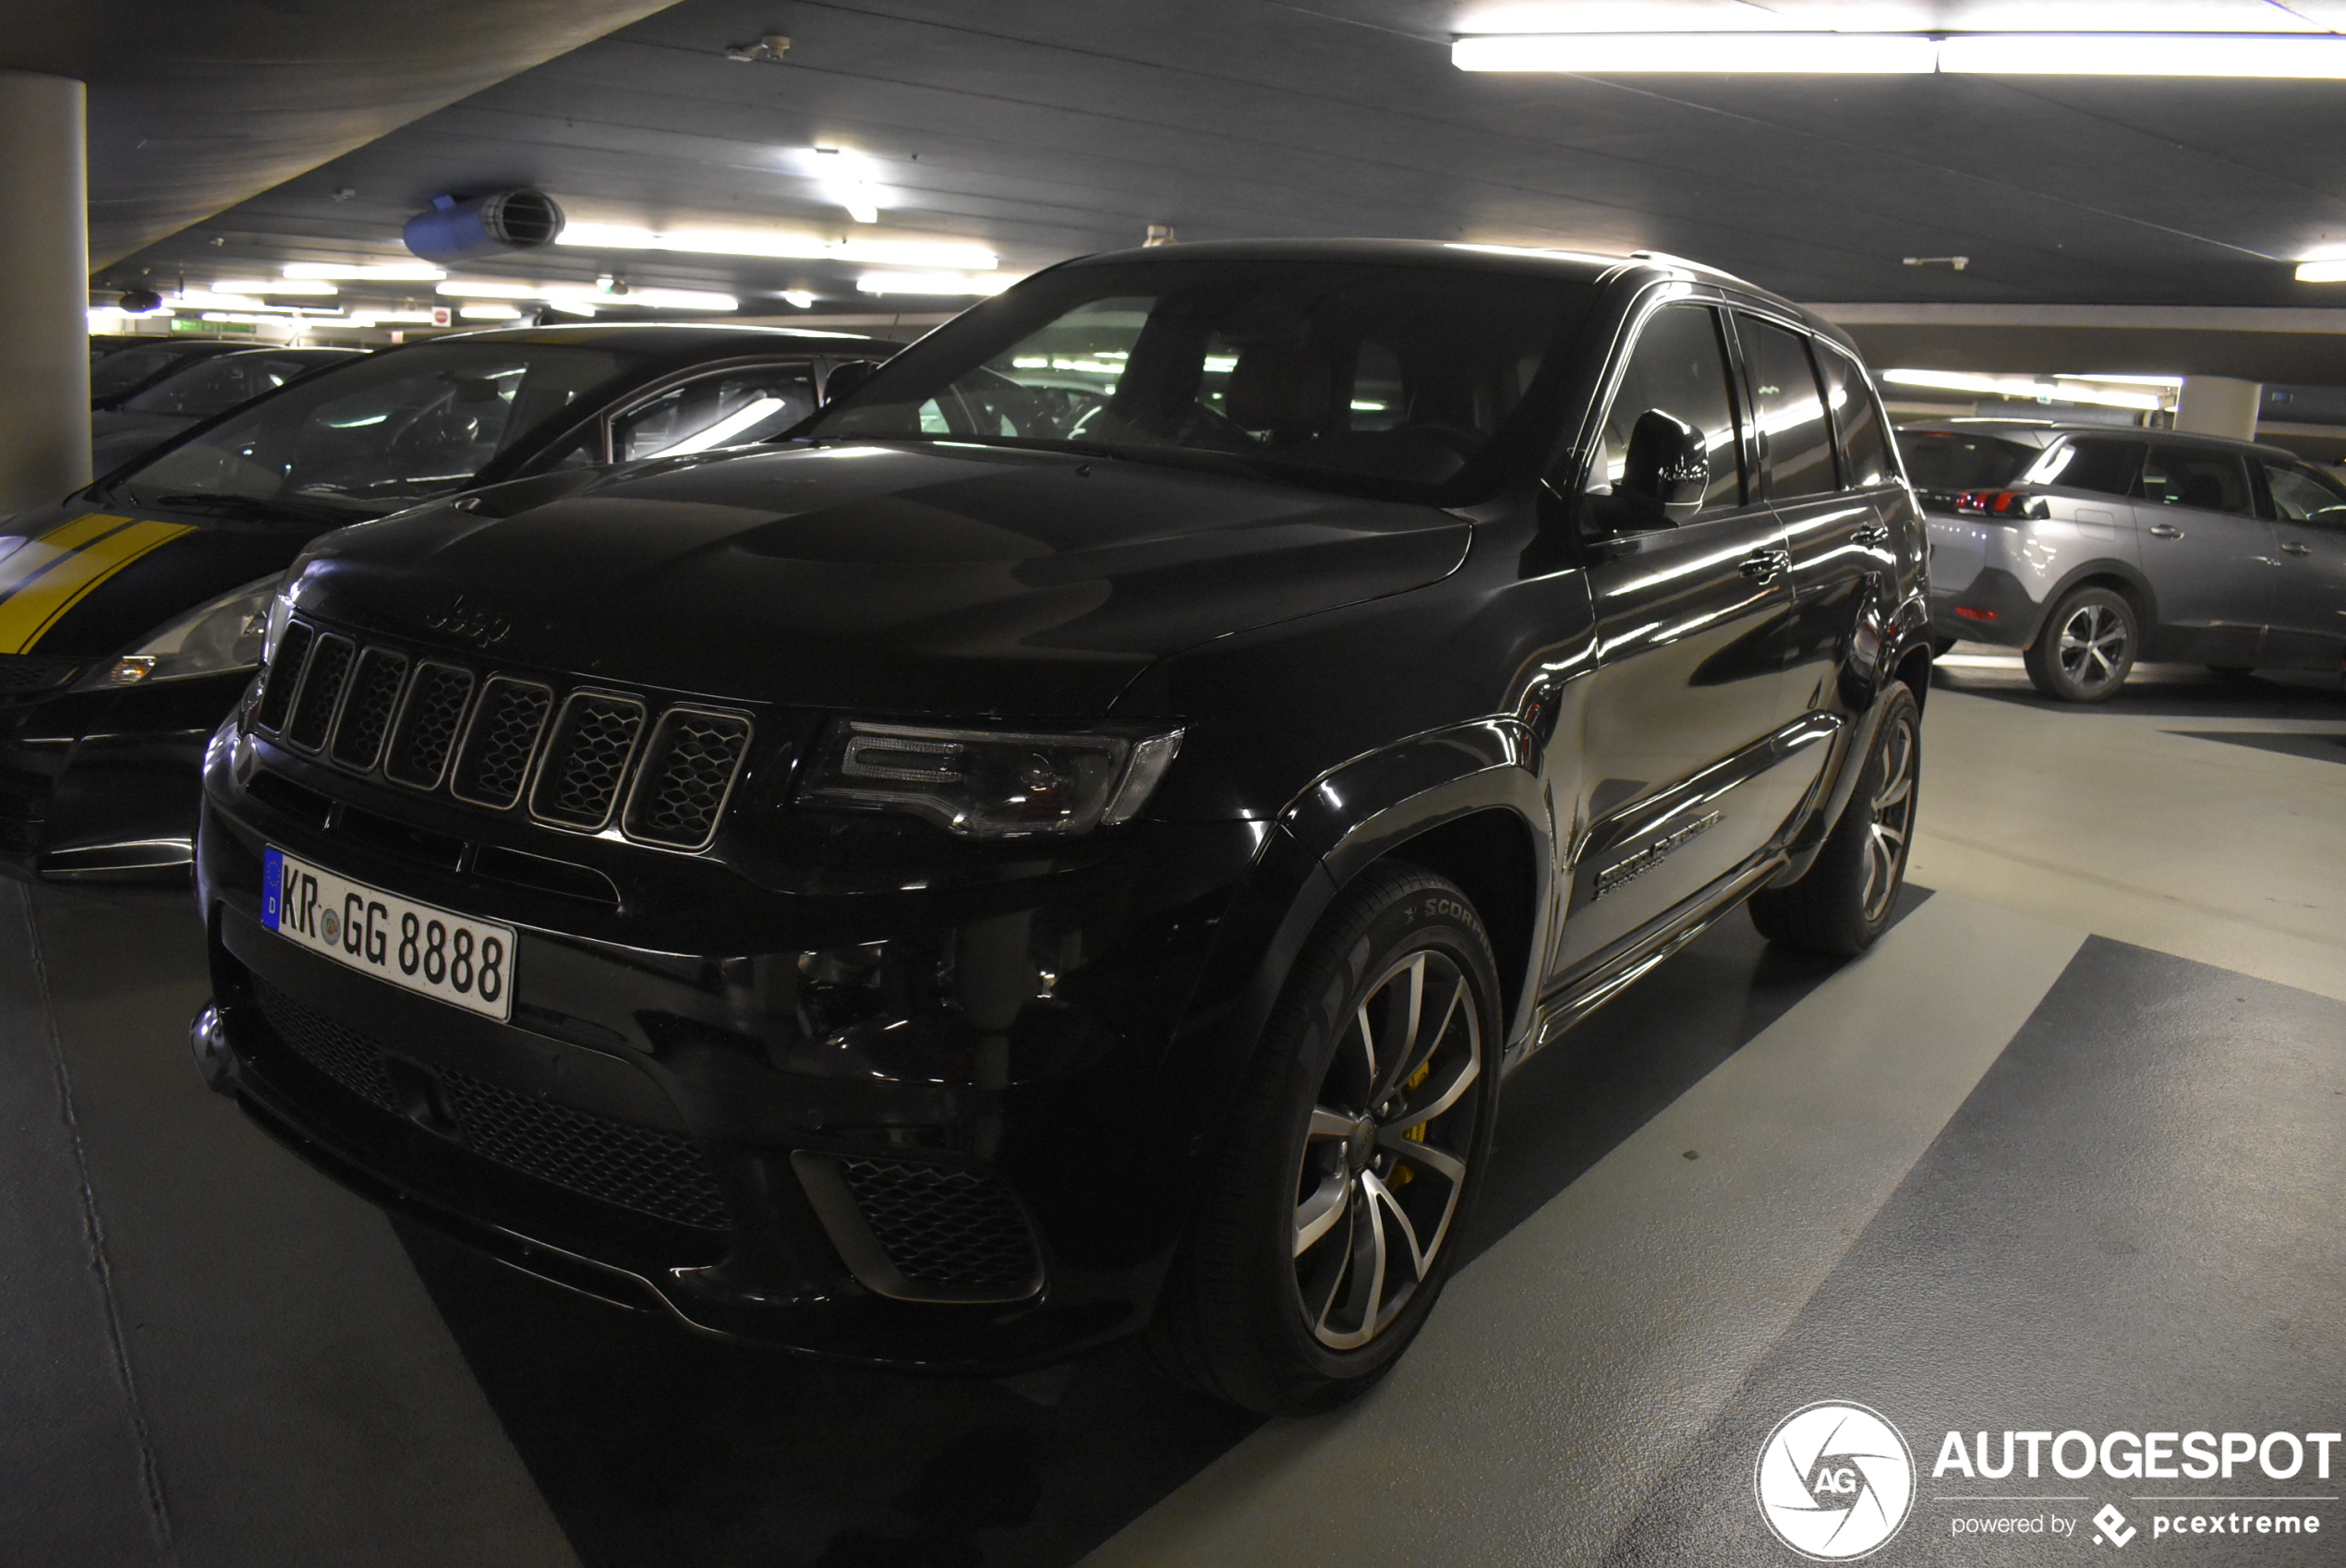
[(219, 637), (991, 783)]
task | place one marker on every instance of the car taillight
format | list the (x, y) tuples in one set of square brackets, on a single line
[(2009, 506)]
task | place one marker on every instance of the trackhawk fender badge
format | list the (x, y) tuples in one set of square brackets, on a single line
[(469, 624), (1651, 855)]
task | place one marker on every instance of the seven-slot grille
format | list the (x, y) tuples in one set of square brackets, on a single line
[(501, 741)]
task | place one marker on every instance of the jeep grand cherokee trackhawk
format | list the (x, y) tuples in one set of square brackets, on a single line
[(1071, 841)]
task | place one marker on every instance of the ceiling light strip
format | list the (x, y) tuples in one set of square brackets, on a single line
[(2305, 55)]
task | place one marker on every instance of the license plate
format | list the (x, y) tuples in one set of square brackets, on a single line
[(458, 959)]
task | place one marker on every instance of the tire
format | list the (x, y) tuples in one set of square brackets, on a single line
[(2086, 646), (1845, 900), (1274, 1303)]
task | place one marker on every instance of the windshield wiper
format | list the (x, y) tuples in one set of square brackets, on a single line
[(242, 506)]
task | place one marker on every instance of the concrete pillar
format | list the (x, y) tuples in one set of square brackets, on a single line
[(45, 290), (2218, 406)]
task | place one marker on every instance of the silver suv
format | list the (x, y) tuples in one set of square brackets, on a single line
[(2089, 546)]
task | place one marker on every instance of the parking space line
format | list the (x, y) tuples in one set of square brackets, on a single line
[(1571, 1363)]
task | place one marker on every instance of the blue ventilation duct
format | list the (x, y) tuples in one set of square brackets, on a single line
[(495, 224)]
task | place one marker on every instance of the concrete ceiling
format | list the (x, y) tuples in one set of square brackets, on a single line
[(1050, 128), (195, 107)]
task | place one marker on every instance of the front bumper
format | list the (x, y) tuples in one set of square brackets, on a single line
[(967, 1178), (107, 785)]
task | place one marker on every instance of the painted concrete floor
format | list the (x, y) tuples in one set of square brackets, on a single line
[(2062, 1153)]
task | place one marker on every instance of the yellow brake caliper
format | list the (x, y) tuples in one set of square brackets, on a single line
[(1403, 1174)]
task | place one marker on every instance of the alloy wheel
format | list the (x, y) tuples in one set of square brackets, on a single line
[(1384, 1158), (1894, 813), (2092, 647)]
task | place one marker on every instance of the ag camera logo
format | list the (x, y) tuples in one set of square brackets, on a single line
[(1834, 1481)]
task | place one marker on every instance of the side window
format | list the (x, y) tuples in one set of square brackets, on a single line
[(2202, 480), (1789, 409), (2301, 496), (1679, 367), (1856, 419), (729, 408), (2104, 465)]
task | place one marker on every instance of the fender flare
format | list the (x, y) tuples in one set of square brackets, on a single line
[(1332, 830), (2138, 587)]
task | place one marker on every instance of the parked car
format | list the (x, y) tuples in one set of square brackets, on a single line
[(2091, 547), (130, 613), (191, 390), (948, 892), (131, 368)]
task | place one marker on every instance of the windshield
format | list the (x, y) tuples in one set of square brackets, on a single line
[(1392, 380), (1945, 460), (381, 433), (129, 367), (206, 387)]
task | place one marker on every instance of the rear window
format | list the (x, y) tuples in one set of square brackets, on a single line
[(2104, 465), (1947, 460)]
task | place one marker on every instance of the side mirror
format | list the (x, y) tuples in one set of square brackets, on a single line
[(845, 377), (1668, 460)]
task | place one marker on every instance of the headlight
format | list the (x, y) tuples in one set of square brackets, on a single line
[(992, 783), (217, 639)]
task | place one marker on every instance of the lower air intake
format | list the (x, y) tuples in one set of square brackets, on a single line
[(945, 1227)]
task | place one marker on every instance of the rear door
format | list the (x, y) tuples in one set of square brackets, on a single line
[(1828, 479), (1690, 604), (2308, 626), (2208, 556)]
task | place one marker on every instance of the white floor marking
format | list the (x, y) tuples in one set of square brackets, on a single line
[(1564, 1372)]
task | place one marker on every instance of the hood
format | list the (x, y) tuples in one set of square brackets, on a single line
[(88, 580), (922, 580)]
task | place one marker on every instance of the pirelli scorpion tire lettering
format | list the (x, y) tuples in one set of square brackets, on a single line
[(1847, 897), (1347, 1163)]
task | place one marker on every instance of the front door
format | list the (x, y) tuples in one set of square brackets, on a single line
[(2308, 626), (2208, 556), (1690, 603)]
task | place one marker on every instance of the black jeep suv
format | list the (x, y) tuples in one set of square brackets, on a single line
[(1072, 839)]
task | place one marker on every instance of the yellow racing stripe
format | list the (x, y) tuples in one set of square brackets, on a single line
[(36, 555), (73, 560)]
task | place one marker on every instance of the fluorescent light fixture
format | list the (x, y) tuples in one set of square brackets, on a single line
[(398, 318), (286, 286), (2024, 387), (368, 272), (569, 295), (781, 244), (929, 282), (490, 313), (1619, 54), (2145, 55), (2322, 272), (845, 177), (2317, 56), (2171, 383), (799, 297)]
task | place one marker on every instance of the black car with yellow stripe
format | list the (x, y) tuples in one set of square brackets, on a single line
[(131, 613)]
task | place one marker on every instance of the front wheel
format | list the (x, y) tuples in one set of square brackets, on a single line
[(1844, 901), (2085, 648), (1348, 1162)]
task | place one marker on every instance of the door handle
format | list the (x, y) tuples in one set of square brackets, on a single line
[(2165, 531), (1873, 534), (2293, 547), (1766, 565)]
